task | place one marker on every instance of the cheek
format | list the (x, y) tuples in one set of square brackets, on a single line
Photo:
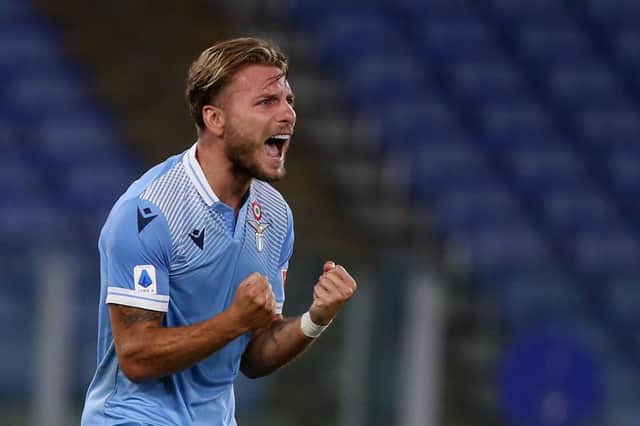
[(250, 127)]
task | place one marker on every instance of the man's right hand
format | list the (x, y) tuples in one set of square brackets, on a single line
[(254, 302)]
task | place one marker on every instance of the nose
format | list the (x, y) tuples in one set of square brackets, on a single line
[(287, 114)]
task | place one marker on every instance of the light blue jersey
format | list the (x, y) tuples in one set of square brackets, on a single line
[(170, 245)]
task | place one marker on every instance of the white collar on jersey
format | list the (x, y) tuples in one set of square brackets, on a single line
[(195, 173)]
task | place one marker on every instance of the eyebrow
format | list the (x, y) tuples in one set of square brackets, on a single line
[(273, 79), (269, 93)]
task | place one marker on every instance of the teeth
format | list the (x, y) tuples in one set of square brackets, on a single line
[(281, 137)]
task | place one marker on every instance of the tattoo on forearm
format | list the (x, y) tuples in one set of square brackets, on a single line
[(130, 316), (273, 332)]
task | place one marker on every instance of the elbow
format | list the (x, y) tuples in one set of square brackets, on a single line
[(133, 366), (255, 374), (255, 371), (133, 371), (251, 373)]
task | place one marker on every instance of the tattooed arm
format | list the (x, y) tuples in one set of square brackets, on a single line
[(273, 347), (146, 349)]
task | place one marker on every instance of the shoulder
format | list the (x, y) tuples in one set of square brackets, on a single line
[(148, 180), (135, 219)]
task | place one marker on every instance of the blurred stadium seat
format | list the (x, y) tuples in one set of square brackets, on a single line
[(62, 167), (522, 143)]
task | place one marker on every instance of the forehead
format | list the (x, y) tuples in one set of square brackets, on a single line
[(258, 79)]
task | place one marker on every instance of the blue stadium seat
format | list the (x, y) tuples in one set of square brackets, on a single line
[(624, 298), (388, 79), (477, 84), (577, 211), (17, 319), (606, 253), (548, 44), (95, 185), (64, 138), (441, 165), (518, 12), (20, 179), (537, 168), (15, 11), (10, 144), (602, 130), (623, 172), (479, 206), (34, 93), (457, 39), (343, 40), (26, 47), (614, 13), (32, 222), (578, 87), (406, 123), (418, 9), (493, 253), (86, 194), (502, 125), (544, 298), (626, 46)]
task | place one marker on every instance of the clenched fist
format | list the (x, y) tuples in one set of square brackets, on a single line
[(334, 287), (254, 302)]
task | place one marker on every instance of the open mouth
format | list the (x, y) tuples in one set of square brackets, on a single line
[(273, 146)]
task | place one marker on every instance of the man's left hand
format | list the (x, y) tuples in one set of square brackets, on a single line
[(334, 287)]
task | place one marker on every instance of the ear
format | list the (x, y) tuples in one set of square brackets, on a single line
[(214, 119)]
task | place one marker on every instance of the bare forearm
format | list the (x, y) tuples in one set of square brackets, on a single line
[(159, 351), (274, 347)]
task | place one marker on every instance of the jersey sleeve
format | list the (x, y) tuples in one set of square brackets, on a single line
[(135, 250), (285, 255)]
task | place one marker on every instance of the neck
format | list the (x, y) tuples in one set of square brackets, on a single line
[(229, 184)]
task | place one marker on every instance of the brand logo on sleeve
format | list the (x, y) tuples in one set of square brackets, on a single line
[(144, 279), (144, 218)]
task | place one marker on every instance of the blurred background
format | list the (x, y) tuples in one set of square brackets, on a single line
[(475, 164)]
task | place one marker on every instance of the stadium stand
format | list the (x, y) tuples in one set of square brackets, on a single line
[(58, 146), (519, 121)]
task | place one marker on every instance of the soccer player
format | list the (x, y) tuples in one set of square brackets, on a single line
[(194, 257)]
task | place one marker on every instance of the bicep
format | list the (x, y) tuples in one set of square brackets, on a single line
[(128, 322)]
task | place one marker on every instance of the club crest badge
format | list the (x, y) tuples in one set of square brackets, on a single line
[(259, 228)]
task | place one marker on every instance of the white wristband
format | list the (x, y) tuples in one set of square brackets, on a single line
[(310, 328)]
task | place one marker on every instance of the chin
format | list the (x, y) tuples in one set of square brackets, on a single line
[(271, 176)]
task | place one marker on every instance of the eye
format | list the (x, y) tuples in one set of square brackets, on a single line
[(266, 101)]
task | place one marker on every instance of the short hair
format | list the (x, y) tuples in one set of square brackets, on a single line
[(216, 66)]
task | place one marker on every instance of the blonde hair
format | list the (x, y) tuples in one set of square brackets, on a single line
[(216, 66)]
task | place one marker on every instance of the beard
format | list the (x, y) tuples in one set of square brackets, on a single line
[(244, 156)]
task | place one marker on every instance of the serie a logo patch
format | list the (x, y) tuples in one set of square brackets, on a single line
[(144, 279)]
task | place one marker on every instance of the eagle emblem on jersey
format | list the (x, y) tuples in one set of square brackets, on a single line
[(259, 228)]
